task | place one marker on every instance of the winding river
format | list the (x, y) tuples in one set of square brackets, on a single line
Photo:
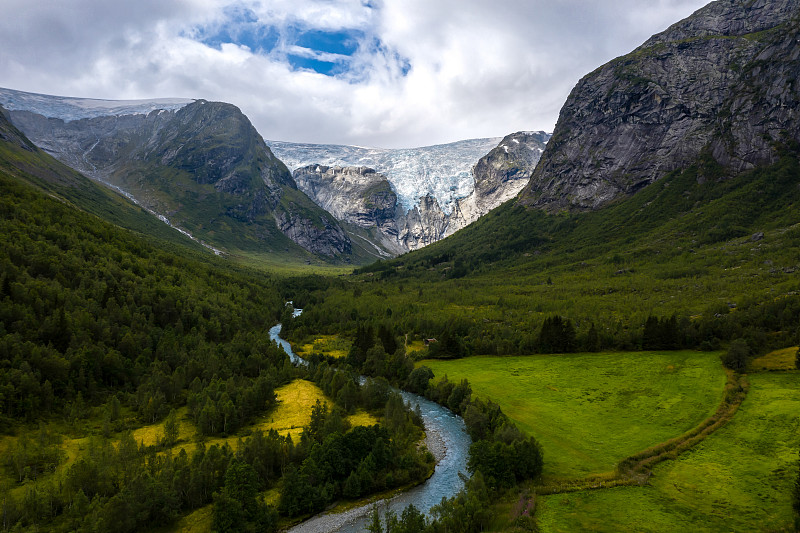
[(446, 438)]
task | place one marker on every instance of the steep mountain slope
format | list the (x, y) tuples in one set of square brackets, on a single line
[(358, 196), (723, 80), (424, 193), (21, 159), (499, 176), (199, 164)]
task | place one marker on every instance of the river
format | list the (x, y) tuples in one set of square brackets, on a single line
[(446, 438)]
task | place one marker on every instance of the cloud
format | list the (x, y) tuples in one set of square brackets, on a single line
[(378, 73)]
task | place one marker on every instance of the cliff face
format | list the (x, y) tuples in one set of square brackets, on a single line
[(723, 80), (357, 195), (204, 166), (499, 176)]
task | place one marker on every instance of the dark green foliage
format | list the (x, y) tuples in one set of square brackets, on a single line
[(447, 346), (92, 308), (363, 342), (418, 379), (661, 333), (499, 450), (736, 356), (236, 507), (592, 340), (557, 336)]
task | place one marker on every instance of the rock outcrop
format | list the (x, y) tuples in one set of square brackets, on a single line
[(723, 82), (499, 176)]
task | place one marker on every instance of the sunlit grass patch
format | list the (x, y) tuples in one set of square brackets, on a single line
[(328, 345), (198, 521), (295, 401), (362, 418), (152, 434), (783, 359), (738, 479), (589, 411)]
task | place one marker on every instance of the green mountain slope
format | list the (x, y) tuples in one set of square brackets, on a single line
[(205, 169), (20, 158)]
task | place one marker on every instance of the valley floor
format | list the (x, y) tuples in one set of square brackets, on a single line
[(608, 406)]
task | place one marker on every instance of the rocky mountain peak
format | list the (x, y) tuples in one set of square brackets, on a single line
[(722, 80)]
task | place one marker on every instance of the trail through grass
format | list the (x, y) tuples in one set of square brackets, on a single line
[(738, 479)]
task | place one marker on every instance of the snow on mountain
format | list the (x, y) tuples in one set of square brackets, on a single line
[(442, 171), (69, 109)]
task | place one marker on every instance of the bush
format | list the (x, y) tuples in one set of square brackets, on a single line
[(736, 356)]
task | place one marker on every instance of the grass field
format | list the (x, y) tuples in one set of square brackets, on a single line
[(329, 345), (589, 411), (739, 479), (778, 360)]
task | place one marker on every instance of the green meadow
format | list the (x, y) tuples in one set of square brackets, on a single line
[(737, 479), (589, 411)]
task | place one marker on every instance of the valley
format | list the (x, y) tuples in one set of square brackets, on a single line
[(594, 330)]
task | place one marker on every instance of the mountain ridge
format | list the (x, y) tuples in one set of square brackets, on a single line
[(203, 167)]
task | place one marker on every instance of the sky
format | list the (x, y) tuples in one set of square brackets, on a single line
[(377, 73)]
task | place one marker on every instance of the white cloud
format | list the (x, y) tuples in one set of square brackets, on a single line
[(475, 68)]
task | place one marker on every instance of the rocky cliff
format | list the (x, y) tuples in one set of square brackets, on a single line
[(723, 82), (499, 176), (359, 196), (202, 165)]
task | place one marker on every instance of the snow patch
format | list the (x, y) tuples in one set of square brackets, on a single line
[(69, 109)]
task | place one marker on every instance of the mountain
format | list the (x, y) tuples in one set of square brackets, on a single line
[(499, 176), (441, 171), (721, 84), (200, 165), (23, 160), (408, 198), (630, 175)]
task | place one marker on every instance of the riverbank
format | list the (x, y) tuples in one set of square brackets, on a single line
[(445, 437)]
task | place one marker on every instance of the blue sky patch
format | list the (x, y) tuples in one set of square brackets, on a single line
[(241, 27), (303, 47), (322, 67), (344, 42)]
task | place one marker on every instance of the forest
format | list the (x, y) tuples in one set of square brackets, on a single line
[(103, 332)]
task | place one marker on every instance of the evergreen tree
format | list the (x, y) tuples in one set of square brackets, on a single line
[(592, 340)]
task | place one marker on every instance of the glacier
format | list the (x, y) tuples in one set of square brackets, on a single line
[(442, 171), (68, 109)]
